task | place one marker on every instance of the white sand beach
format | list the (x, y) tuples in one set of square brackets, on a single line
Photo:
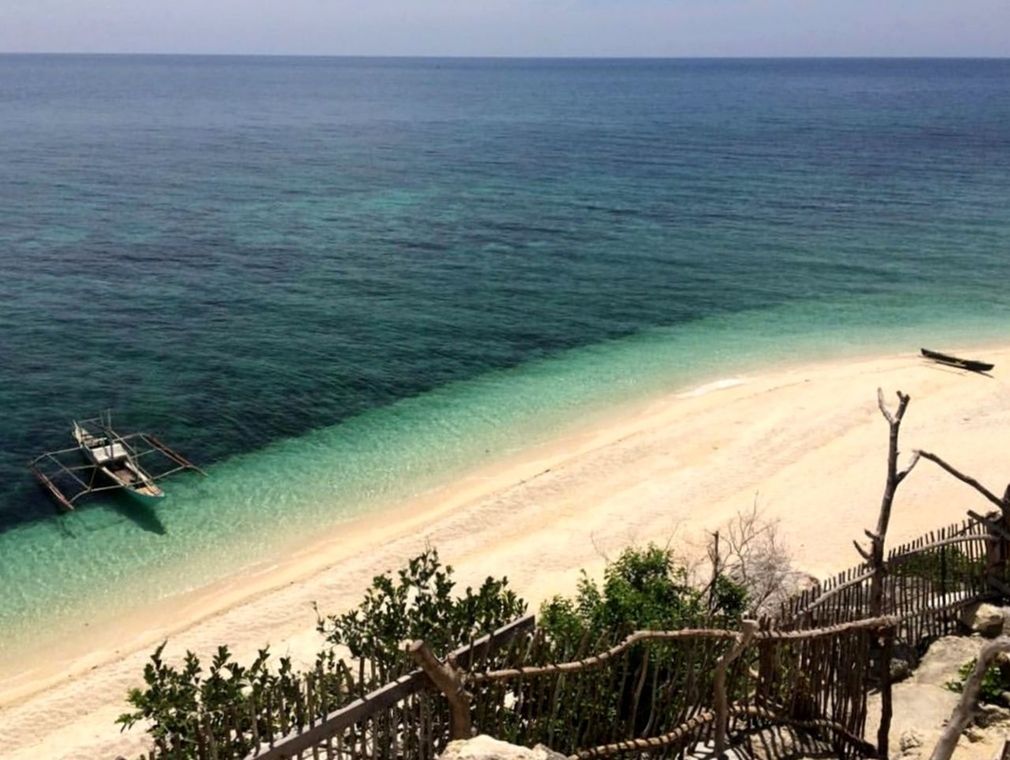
[(807, 443)]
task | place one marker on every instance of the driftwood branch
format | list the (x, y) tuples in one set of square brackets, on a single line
[(965, 708), (882, 405), (881, 623), (874, 555), (967, 479), (449, 681)]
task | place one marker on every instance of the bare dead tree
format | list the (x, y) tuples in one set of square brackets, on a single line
[(750, 551), (874, 556)]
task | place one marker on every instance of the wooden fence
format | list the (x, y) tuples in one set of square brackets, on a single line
[(655, 693), (660, 693), (667, 692), (926, 584), (404, 718)]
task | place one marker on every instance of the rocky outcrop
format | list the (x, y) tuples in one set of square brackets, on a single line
[(923, 703)]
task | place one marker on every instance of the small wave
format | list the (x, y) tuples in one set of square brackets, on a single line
[(718, 385)]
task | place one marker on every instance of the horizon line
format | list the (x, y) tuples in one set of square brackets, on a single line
[(429, 56)]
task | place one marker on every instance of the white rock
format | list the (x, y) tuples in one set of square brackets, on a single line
[(944, 657), (486, 748), (984, 619)]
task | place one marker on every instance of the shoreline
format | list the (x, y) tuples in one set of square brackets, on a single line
[(654, 469)]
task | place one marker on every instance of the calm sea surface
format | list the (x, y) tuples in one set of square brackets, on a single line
[(337, 281)]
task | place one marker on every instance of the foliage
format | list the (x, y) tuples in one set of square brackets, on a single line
[(643, 588), (185, 707), (419, 604), (995, 682), (730, 598), (180, 704)]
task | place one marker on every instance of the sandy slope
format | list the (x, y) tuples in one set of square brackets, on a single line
[(807, 442)]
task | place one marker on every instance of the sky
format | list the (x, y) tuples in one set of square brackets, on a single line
[(619, 28)]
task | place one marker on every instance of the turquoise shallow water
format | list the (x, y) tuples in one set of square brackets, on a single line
[(339, 282)]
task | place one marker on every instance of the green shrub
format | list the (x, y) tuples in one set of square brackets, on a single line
[(180, 702), (419, 604), (643, 588), (183, 706)]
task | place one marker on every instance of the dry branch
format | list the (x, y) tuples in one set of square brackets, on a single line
[(875, 554), (967, 479), (881, 623)]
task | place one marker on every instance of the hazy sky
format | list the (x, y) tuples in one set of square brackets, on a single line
[(511, 27)]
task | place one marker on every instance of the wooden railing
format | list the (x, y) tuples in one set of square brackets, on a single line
[(655, 691), (669, 691), (349, 725)]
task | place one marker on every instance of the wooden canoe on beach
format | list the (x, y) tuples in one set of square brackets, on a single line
[(970, 364)]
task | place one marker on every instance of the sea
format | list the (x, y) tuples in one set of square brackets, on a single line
[(335, 283)]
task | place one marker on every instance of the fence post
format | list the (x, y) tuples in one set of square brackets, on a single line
[(1001, 537), (749, 628), (886, 709), (997, 545), (449, 681)]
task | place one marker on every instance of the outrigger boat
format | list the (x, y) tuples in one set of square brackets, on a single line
[(970, 364), (113, 462)]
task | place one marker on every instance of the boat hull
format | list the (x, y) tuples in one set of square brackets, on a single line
[(132, 482), (953, 361)]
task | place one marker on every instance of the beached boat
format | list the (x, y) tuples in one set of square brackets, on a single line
[(113, 462), (970, 364)]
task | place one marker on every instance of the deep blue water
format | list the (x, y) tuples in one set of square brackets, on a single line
[(236, 252)]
